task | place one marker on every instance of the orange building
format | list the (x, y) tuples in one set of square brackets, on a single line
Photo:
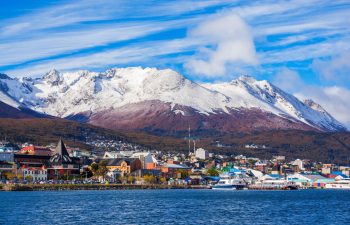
[(124, 165)]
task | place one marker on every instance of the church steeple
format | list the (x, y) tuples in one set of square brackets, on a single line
[(60, 155)]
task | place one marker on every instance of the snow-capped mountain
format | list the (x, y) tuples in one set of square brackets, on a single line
[(158, 100)]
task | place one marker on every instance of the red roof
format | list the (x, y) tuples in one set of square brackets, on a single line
[(36, 150)]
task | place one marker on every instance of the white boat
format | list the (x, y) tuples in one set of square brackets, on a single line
[(340, 184), (231, 182)]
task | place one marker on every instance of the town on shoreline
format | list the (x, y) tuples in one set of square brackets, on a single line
[(59, 167)]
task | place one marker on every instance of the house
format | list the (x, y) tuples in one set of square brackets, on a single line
[(61, 164), (7, 170), (326, 168), (124, 165), (148, 161), (34, 174), (277, 169), (172, 170), (261, 166)]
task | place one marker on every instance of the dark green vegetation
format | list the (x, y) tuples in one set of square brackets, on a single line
[(45, 131), (325, 147)]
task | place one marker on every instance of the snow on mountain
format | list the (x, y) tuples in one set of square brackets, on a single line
[(247, 92), (73, 93), (4, 97)]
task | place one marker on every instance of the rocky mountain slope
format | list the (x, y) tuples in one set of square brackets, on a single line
[(163, 101)]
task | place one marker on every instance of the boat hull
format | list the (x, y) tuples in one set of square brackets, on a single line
[(229, 187)]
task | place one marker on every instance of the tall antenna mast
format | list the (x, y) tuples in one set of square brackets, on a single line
[(189, 139), (194, 146)]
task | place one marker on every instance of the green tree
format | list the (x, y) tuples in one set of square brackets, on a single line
[(212, 172), (130, 179), (99, 169), (149, 179), (29, 178), (183, 173), (163, 180)]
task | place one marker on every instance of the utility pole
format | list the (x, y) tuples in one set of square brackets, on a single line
[(194, 146), (189, 139)]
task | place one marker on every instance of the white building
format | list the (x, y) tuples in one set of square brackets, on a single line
[(118, 154), (36, 174), (202, 154), (298, 163), (146, 158)]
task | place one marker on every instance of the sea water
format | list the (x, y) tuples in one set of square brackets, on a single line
[(175, 207)]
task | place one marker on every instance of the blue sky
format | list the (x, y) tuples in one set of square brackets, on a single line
[(301, 46)]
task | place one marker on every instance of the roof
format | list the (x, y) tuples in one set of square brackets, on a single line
[(118, 161), (339, 173), (234, 170), (60, 155), (176, 166), (313, 176)]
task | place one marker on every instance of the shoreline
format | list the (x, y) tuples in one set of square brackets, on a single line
[(72, 187)]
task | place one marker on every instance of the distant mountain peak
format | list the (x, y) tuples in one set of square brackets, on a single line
[(312, 104), (119, 89), (247, 79), (4, 77), (52, 77)]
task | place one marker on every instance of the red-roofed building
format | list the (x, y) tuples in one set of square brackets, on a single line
[(36, 150)]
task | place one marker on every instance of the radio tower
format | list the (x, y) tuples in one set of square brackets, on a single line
[(189, 139)]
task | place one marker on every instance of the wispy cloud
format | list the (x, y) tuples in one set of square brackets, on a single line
[(229, 40), (86, 31)]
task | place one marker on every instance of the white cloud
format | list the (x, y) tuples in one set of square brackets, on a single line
[(230, 41), (288, 80), (334, 99), (56, 43), (110, 58), (336, 70)]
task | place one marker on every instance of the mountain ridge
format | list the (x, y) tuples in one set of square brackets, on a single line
[(99, 98)]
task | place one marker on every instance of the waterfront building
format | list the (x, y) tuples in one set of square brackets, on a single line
[(31, 160), (124, 165), (34, 174), (61, 164), (305, 180)]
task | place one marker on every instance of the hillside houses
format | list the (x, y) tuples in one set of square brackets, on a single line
[(58, 162)]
